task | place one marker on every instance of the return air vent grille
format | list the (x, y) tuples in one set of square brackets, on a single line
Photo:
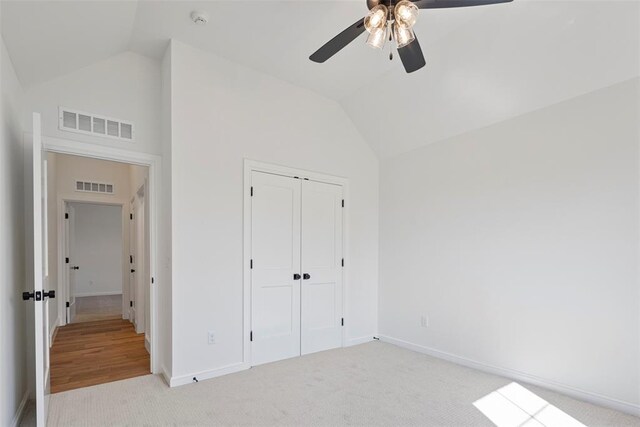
[(94, 187), (91, 124)]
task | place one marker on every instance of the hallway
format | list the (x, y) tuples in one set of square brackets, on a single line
[(90, 353)]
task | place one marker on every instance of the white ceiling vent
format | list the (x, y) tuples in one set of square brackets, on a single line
[(94, 187), (91, 124)]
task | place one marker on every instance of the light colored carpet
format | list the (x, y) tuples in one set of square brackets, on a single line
[(103, 307), (370, 384)]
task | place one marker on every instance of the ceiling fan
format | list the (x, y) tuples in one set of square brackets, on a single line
[(392, 20)]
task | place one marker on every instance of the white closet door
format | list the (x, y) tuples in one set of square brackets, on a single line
[(322, 266), (275, 254)]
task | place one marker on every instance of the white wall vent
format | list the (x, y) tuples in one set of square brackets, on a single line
[(94, 187), (91, 124)]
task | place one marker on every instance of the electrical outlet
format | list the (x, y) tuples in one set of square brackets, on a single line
[(212, 337), (424, 321)]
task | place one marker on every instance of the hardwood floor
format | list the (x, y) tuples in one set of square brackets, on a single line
[(90, 353)]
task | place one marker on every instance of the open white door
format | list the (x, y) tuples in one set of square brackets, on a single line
[(70, 264), (40, 293), (133, 265)]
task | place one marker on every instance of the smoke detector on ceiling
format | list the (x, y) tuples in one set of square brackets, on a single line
[(199, 17)]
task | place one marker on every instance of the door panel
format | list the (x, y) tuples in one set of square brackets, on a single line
[(133, 267), (139, 266), (321, 293), (275, 243), (40, 276), (70, 234)]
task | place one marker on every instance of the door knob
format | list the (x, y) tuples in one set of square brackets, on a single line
[(306, 276), (75, 267), (296, 276), (50, 294)]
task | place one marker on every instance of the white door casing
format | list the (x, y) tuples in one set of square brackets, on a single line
[(139, 259), (275, 258), (154, 163), (321, 292)]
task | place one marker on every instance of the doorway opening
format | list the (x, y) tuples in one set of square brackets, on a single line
[(98, 241)]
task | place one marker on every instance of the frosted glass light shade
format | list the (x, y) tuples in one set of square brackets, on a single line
[(376, 18), (406, 14), (403, 36), (377, 37)]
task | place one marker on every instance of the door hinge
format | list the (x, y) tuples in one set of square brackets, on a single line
[(66, 216), (343, 321), (130, 259), (152, 280), (251, 191), (343, 262), (251, 336), (68, 305), (251, 264), (66, 260), (130, 216), (343, 203), (130, 303)]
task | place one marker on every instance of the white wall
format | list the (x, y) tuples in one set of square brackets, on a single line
[(125, 86), (222, 113), (98, 244), (164, 273), (13, 329), (520, 243)]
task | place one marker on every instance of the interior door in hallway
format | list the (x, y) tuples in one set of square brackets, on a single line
[(275, 272), (70, 258), (321, 290)]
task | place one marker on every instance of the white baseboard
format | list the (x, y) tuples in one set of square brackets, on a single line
[(21, 408), (147, 344), (587, 396), (166, 376), (360, 340), (97, 294), (205, 375), (52, 331)]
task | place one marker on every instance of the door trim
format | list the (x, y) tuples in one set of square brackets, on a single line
[(154, 163), (257, 166)]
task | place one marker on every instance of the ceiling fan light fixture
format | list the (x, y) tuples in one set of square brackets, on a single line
[(376, 18), (406, 14), (403, 36), (377, 37)]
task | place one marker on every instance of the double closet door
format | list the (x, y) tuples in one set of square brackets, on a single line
[(296, 267)]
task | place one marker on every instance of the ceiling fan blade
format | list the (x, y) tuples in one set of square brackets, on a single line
[(439, 4), (334, 45), (411, 56)]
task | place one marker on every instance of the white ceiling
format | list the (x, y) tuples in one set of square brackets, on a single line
[(484, 64)]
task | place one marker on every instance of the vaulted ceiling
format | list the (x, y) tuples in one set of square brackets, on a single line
[(484, 64)]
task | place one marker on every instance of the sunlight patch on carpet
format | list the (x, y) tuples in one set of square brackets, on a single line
[(515, 406)]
